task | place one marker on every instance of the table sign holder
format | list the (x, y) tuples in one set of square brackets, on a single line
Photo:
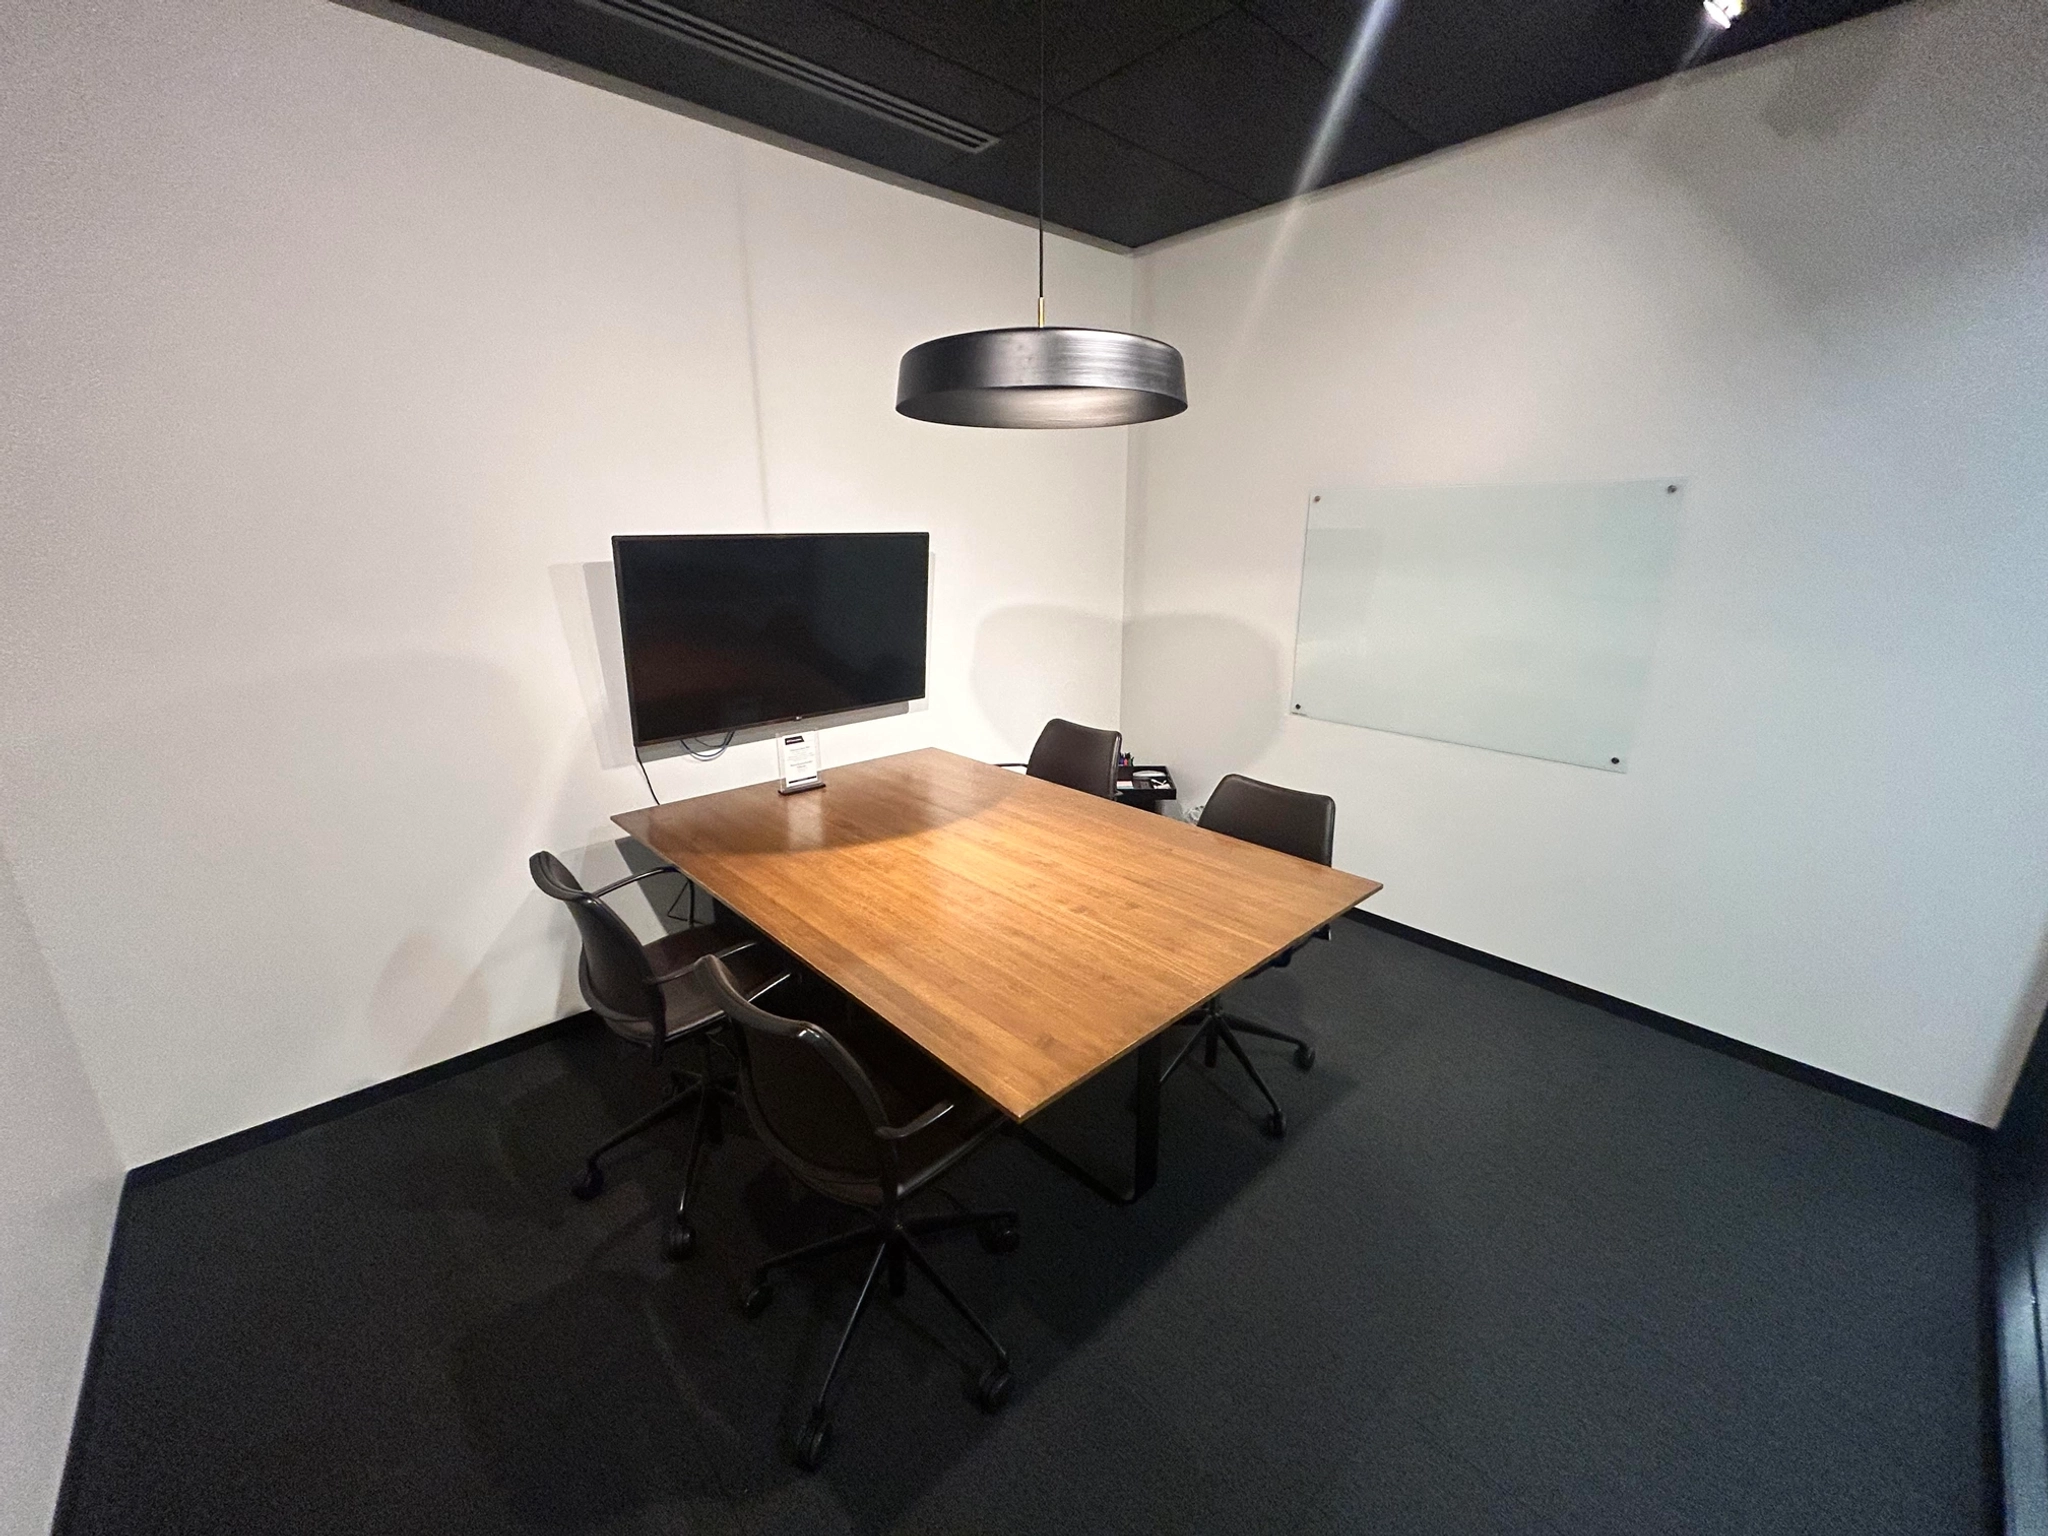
[(797, 756)]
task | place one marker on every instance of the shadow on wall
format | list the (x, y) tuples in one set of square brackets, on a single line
[(1825, 90), (451, 1001), (346, 825), (1016, 689), (587, 599), (431, 993), (1205, 694), (1852, 109), (543, 928)]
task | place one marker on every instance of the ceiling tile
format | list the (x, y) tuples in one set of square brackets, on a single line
[(1178, 112), (1456, 69), (1085, 39), (1322, 27), (1460, 68), (1097, 183), (1239, 104)]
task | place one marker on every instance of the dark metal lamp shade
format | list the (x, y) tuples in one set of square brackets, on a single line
[(1041, 376)]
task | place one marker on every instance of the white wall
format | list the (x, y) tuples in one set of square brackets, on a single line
[(336, 351), (59, 1184), (1814, 282)]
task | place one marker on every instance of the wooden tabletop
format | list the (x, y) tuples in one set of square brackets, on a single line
[(1025, 934)]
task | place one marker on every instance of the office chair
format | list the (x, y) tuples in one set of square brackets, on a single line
[(1078, 756), (862, 1116), (645, 994), (1288, 821)]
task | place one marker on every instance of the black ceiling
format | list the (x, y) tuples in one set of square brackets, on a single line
[(1164, 114)]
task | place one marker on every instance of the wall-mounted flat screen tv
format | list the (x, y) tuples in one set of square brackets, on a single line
[(726, 631)]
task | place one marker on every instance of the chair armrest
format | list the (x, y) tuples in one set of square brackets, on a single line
[(645, 874), (923, 1122)]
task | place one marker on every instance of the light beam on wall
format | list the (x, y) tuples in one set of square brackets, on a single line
[(1342, 102)]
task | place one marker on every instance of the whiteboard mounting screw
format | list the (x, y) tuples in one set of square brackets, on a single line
[(1670, 490)]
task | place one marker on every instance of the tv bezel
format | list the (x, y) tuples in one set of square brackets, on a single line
[(619, 597)]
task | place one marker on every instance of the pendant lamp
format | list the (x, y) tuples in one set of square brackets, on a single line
[(1042, 375)]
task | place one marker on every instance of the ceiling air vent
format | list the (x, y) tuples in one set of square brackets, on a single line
[(680, 24)]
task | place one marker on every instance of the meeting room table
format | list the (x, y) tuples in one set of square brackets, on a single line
[(1025, 934)]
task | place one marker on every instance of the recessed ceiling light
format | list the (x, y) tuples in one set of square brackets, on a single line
[(1722, 13)]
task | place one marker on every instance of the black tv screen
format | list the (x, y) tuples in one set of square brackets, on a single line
[(727, 631)]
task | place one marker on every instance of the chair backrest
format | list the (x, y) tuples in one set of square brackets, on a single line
[(1078, 756), (809, 1098), (617, 980), (1285, 820)]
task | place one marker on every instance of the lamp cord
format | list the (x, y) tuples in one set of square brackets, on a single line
[(1041, 162)]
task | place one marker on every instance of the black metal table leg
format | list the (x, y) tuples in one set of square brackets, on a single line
[(1145, 1147)]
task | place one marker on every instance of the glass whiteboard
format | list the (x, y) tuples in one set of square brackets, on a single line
[(1520, 618)]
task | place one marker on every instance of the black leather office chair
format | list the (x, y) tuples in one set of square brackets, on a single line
[(865, 1118), (646, 994), (1289, 821), (1078, 756)]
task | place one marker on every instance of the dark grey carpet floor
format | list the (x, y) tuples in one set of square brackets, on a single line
[(1520, 1265)]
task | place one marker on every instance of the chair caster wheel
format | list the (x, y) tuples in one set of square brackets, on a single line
[(1304, 1056), (993, 1390), (588, 1184), (681, 1242), (999, 1236), (1274, 1125), (755, 1298), (811, 1444)]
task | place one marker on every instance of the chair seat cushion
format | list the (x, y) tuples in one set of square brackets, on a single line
[(690, 1007), (753, 962), (811, 1105)]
